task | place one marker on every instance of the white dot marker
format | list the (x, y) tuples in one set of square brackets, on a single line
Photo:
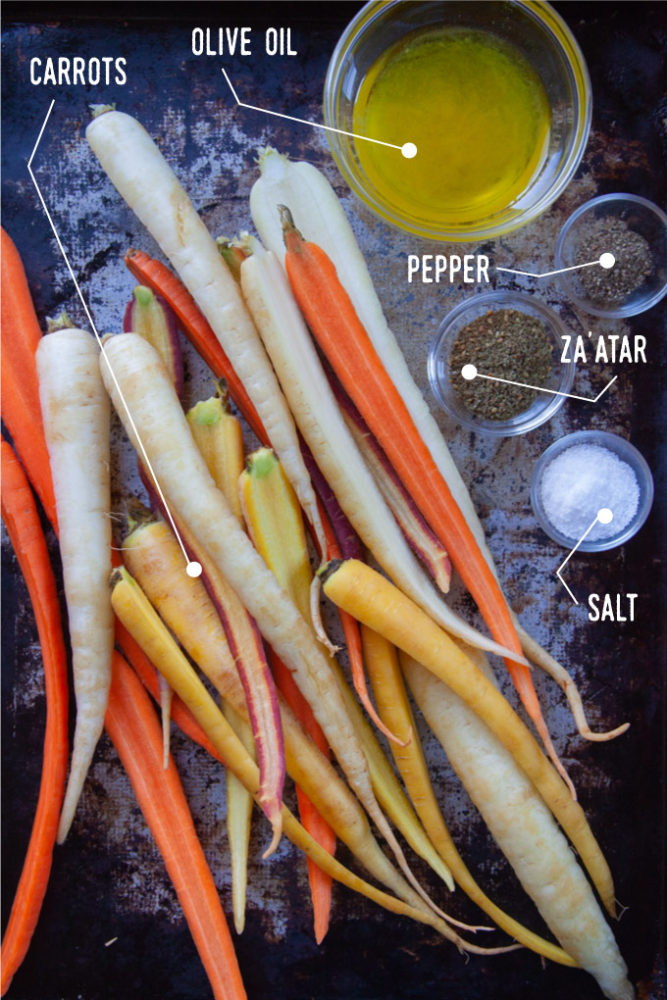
[(469, 372), (409, 150), (607, 260), (605, 516), (193, 569)]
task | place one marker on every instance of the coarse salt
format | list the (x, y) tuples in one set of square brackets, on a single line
[(579, 482)]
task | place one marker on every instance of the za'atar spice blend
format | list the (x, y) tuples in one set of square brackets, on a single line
[(507, 344)]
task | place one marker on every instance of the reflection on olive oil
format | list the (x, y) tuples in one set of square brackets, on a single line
[(475, 109)]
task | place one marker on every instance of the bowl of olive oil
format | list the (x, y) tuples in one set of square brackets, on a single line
[(457, 121)]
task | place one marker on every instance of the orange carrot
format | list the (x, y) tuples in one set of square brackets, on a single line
[(196, 328), (19, 512), (320, 882), (336, 327), (134, 728), (209, 931), (21, 411)]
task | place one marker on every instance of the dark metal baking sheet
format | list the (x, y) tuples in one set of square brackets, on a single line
[(110, 926)]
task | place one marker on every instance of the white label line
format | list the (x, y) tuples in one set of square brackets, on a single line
[(99, 340), (304, 121), (553, 392), (549, 274), (564, 563)]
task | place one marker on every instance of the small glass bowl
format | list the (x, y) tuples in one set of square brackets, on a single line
[(439, 372), (639, 215), (541, 36), (627, 453)]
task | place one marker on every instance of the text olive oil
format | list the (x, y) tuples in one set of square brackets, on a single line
[(475, 109)]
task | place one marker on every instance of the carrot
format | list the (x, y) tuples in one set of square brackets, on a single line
[(559, 674), (137, 614), (319, 212), (252, 666), (525, 831), (76, 417), (142, 176), (420, 537), (239, 814), (336, 327), (276, 528), (196, 328), (391, 696), (153, 557), (21, 333), (135, 731), (190, 491), (149, 315), (244, 638), (275, 525), (219, 437), (232, 254), (147, 674), (322, 425), (19, 513), (200, 924), (372, 599)]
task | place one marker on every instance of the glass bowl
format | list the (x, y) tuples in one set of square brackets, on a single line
[(624, 451), (587, 228), (439, 371), (542, 38)]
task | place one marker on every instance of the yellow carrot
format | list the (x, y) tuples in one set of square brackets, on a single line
[(138, 616), (376, 602), (525, 830), (273, 518), (392, 700), (138, 384), (294, 575), (219, 437), (239, 812), (153, 557)]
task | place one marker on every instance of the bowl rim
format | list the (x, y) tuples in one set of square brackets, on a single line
[(575, 64), (501, 298), (630, 309), (627, 452)]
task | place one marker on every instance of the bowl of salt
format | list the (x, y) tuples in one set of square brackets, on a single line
[(591, 490)]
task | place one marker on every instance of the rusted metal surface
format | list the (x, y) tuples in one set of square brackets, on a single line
[(111, 927)]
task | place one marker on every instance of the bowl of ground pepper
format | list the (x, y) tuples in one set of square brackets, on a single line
[(617, 247), (495, 364)]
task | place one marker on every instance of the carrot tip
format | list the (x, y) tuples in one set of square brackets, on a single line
[(277, 830), (321, 932)]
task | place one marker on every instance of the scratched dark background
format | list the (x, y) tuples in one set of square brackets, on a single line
[(110, 926)]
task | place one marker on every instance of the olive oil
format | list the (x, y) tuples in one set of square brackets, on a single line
[(475, 109)]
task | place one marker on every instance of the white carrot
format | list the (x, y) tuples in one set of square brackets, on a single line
[(152, 555), (192, 496), (524, 829), (142, 176), (318, 213), (75, 409), (323, 426)]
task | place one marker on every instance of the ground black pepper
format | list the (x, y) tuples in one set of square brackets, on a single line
[(504, 343), (633, 260)]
